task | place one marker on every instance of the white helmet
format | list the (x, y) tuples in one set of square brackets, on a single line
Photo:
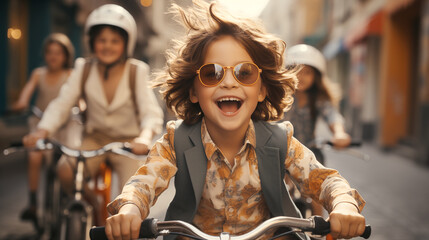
[(308, 55), (115, 15)]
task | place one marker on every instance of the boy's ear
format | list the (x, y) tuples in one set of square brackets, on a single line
[(192, 96), (262, 93)]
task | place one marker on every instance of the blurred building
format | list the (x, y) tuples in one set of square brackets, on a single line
[(378, 50)]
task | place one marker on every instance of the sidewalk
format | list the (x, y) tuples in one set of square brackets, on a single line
[(395, 190)]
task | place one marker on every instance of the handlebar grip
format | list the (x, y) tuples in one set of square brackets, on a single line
[(367, 233), (322, 227), (97, 233), (127, 147), (16, 144), (147, 230), (352, 143), (355, 144)]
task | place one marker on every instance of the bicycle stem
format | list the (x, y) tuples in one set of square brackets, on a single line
[(79, 179)]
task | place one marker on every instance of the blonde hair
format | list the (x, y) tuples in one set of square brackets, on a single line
[(205, 24)]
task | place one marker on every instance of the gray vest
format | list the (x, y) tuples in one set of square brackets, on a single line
[(191, 161)]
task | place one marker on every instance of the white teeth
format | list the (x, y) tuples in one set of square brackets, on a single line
[(229, 99)]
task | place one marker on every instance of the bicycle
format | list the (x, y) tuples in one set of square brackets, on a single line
[(152, 228), (46, 221), (76, 217)]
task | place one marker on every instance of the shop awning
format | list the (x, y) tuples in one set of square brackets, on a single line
[(374, 26)]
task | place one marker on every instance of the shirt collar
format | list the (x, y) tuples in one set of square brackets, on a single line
[(210, 147)]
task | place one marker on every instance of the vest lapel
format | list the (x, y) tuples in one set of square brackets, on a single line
[(269, 169), (196, 161)]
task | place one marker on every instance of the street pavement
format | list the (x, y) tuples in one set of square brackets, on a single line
[(395, 189)]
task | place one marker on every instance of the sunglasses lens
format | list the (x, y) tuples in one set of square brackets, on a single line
[(246, 73), (211, 74)]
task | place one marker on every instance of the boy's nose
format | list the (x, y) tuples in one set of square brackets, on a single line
[(229, 79)]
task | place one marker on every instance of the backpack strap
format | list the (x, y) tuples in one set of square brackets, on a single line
[(132, 83), (85, 74)]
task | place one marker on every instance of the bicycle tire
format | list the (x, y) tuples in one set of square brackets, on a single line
[(74, 225), (55, 209), (51, 208)]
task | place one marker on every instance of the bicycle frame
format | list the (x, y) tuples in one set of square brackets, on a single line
[(102, 187), (77, 216)]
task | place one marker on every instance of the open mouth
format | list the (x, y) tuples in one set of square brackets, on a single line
[(229, 105)]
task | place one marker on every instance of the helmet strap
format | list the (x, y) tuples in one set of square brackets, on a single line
[(109, 66)]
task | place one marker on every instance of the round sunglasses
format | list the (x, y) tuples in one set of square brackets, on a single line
[(211, 74)]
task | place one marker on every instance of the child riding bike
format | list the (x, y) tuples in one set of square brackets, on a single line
[(226, 80), (315, 97), (58, 53), (118, 109)]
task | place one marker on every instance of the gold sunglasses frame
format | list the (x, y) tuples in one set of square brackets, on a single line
[(233, 74)]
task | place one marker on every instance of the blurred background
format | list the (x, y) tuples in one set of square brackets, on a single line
[(377, 50)]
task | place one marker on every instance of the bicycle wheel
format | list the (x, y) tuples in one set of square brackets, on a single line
[(75, 224), (51, 207), (55, 209)]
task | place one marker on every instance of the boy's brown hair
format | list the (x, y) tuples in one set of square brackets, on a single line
[(205, 24)]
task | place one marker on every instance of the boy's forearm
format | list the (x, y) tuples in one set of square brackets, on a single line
[(336, 190), (131, 208), (346, 205), (120, 205)]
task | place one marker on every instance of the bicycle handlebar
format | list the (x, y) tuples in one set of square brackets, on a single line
[(152, 228), (122, 148)]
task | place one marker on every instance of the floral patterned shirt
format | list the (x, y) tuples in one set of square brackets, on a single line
[(232, 199)]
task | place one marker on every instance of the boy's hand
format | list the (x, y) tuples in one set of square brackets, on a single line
[(19, 106), (139, 148), (31, 139), (125, 224), (341, 140), (346, 222)]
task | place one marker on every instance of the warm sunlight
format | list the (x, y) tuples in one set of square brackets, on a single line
[(247, 8)]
